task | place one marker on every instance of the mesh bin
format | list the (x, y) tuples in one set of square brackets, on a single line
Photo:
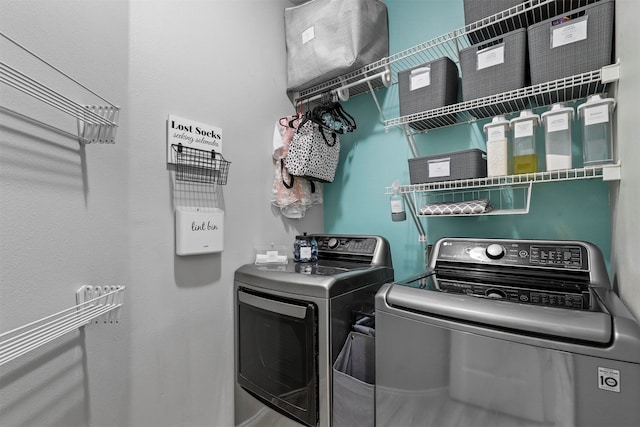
[(566, 45), (428, 86), (499, 65), (465, 164)]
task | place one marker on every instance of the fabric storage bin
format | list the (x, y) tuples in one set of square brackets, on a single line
[(354, 374), (561, 48), (428, 86), (476, 10), (464, 164), (499, 65), (327, 38)]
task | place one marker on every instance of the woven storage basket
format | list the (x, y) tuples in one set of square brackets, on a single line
[(464, 164), (591, 25), (510, 74), (475, 10), (428, 86)]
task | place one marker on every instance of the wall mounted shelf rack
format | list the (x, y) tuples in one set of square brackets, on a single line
[(509, 195), (94, 304), (96, 123)]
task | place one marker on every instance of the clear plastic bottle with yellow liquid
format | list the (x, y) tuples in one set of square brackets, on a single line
[(525, 158)]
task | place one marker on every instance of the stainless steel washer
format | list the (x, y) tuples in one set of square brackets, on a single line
[(507, 333), (291, 322)]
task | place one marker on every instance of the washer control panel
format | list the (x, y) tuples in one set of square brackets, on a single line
[(352, 245), (574, 300), (514, 253)]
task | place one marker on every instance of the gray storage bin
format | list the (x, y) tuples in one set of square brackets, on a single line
[(476, 10), (327, 38), (464, 164), (592, 25), (354, 374), (428, 86), (510, 73)]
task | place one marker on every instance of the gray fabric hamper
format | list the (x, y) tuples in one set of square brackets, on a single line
[(328, 38), (353, 401), (441, 90), (589, 54), (464, 164), (509, 75)]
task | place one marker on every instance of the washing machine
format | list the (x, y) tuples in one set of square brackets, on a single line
[(291, 322), (507, 333)]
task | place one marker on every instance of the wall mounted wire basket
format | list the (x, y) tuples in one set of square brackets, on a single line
[(195, 165)]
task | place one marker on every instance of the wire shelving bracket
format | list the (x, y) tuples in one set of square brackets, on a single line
[(99, 304), (96, 123)]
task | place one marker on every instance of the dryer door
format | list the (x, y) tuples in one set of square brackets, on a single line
[(277, 353)]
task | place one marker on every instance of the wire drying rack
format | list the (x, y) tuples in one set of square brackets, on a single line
[(96, 123), (200, 166), (94, 304)]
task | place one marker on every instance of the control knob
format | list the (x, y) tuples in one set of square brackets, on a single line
[(495, 251), (333, 243)]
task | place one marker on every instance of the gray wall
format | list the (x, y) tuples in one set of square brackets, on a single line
[(104, 214)]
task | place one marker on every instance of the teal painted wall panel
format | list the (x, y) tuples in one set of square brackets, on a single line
[(371, 159)]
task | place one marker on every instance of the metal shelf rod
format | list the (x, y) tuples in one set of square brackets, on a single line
[(56, 69), (20, 81)]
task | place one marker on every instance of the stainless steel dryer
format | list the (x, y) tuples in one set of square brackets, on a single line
[(291, 322), (507, 333)]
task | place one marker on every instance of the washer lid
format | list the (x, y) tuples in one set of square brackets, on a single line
[(324, 279)]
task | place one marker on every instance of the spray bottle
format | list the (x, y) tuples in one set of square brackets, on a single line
[(397, 203)]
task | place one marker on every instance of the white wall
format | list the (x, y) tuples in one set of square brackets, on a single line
[(220, 63), (64, 214), (104, 214), (626, 194)]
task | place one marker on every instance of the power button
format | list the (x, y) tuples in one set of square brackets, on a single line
[(495, 251)]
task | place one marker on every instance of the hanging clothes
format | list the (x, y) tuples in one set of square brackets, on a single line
[(292, 195)]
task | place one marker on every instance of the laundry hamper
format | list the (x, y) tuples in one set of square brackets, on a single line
[(328, 38), (354, 382)]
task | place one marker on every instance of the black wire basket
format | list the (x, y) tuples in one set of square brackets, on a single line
[(194, 165)]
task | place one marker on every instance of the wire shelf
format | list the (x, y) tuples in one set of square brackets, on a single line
[(500, 200), (567, 89), (200, 166), (449, 45), (507, 180)]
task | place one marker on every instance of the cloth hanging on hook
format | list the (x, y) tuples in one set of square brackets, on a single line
[(295, 199)]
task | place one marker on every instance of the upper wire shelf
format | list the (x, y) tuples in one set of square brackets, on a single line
[(200, 166), (566, 89), (96, 123), (449, 45)]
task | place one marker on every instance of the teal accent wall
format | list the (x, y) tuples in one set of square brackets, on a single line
[(371, 159)]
